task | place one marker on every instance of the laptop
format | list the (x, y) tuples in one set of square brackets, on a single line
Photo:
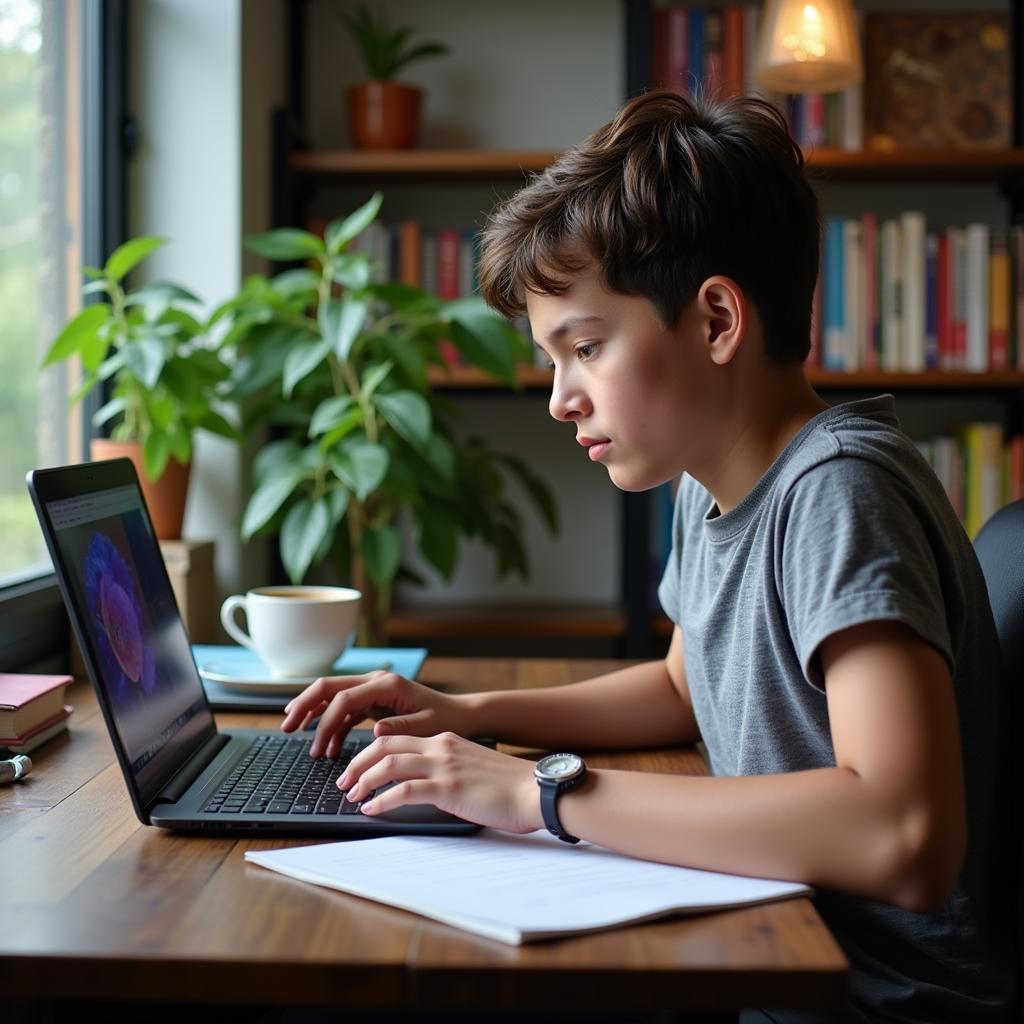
[(181, 771)]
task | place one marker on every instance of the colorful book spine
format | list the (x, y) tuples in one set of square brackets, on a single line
[(912, 256), (833, 347), (733, 50), (694, 49), (999, 306), (890, 312), (931, 304), (977, 297)]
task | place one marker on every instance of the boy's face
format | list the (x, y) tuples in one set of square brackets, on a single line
[(638, 394)]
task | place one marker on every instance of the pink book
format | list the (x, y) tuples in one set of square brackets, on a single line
[(27, 700), (675, 49)]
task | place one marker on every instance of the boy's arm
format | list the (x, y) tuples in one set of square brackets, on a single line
[(645, 705), (888, 822)]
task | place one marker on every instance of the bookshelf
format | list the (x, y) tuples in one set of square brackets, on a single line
[(301, 170)]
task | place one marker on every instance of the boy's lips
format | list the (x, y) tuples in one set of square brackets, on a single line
[(596, 446)]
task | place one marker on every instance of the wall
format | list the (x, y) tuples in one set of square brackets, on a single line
[(200, 176)]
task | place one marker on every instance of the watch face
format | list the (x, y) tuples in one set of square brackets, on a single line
[(559, 767)]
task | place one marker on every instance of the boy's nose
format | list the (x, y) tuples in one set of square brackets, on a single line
[(567, 402)]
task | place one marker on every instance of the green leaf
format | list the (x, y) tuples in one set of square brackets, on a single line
[(269, 497), (352, 419), (337, 504), (110, 366), (382, 552), (438, 539), (361, 466), (341, 320), (96, 286), (303, 531), (441, 456), (486, 345), (130, 254), (409, 415), (535, 488), (181, 444), (401, 296), (352, 270), (79, 331), (301, 361), (156, 450), (159, 291), (328, 413), (292, 283), (272, 458), (375, 376), (286, 244), (108, 411), (216, 424), (340, 232), (144, 359), (94, 273)]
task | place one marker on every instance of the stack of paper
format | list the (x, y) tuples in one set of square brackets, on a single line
[(517, 888)]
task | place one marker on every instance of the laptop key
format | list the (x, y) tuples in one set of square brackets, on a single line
[(302, 808)]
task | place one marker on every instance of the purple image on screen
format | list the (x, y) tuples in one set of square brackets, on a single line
[(127, 659)]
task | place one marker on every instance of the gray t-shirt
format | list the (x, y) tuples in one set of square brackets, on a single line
[(850, 525)]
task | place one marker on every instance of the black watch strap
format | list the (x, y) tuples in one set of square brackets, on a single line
[(550, 791)]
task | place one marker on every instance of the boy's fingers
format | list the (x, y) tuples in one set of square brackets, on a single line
[(382, 747)]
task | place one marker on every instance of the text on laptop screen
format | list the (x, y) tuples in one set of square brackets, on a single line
[(140, 648)]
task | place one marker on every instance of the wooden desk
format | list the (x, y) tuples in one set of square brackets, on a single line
[(96, 907)]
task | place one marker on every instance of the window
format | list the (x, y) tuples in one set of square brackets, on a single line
[(60, 142)]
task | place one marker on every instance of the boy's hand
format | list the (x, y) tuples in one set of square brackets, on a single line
[(452, 773), (342, 701)]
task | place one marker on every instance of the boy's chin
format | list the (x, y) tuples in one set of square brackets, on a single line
[(633, 480)]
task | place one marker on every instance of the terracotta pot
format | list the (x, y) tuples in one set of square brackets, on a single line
[(384, 115), (165, 498)]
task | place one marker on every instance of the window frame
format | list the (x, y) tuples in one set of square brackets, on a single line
[(34, 633)]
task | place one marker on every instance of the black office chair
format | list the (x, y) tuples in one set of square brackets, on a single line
[(1000, 549)]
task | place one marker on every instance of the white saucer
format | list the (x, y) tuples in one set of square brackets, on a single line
[(223, 675)]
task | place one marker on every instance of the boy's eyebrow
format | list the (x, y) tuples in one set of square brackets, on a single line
[(570, 324)]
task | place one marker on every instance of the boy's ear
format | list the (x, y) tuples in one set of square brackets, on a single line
[(723, 311)]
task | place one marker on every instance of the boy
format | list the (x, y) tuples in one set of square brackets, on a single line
[(833, 648)]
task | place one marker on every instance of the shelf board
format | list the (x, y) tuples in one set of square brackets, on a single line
[(830, 164), (511, 620), (919, 165), (469, 378), (931, 380), (413, 163)]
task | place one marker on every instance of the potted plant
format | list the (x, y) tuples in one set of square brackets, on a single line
[(337, 364), (164, 379), (383, 113)]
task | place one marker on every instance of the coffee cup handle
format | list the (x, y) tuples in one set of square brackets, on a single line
[(230, 623)]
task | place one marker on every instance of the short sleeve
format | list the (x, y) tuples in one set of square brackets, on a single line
[(856, 547), (669, 587)]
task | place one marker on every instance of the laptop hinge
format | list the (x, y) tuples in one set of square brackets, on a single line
[(172, 792)]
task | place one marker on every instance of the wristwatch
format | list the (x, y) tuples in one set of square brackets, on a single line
[(557, 774)]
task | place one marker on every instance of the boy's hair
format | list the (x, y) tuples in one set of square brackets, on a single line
[(671, 192)]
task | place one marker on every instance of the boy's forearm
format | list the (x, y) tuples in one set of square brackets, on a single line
[(825, 827), (633, 707)]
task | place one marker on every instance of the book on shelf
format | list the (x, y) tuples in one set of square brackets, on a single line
[(711, 49), (937, 81), (899, 296), (23, 743), (979, 469), (27, 700)]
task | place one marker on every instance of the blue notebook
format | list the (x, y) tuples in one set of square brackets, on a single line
[(236, 679)]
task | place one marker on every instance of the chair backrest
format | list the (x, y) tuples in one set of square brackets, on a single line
[(1000, 549)]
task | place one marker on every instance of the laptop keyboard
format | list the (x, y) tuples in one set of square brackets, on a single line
[(277, 776)]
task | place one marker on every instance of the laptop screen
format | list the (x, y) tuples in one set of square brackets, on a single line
[(115, 575)]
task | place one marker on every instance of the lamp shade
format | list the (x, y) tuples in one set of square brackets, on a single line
[(808, 46)]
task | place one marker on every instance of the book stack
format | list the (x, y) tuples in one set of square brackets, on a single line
[(979, 468), (897, 296), (710, 51), (32, 709)]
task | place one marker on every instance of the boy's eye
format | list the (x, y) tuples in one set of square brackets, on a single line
[(586, 350)]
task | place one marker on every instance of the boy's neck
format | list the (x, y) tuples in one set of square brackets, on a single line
[(770, 408)]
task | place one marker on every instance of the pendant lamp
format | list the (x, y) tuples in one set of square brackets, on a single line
[(808, 46)]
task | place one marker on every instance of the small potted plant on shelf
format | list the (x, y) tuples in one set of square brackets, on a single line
[(338, 365), (383, 113), (164, 379)]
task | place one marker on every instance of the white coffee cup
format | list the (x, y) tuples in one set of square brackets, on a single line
[(297, 631)]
